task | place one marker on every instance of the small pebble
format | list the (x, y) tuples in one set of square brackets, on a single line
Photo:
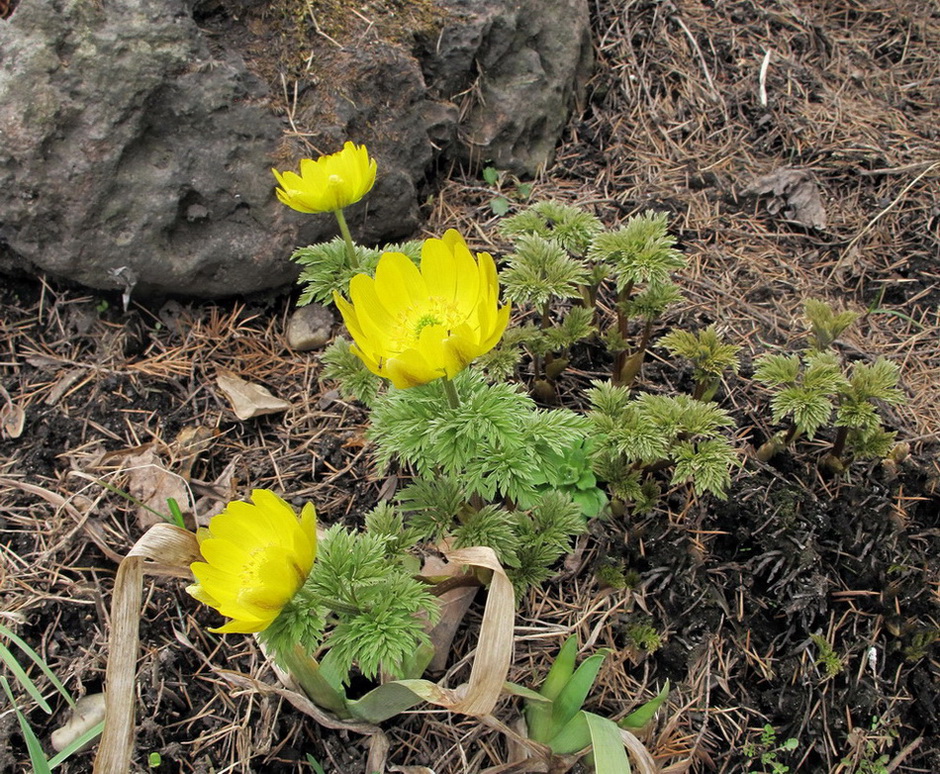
[(309, 327), (88, 712)]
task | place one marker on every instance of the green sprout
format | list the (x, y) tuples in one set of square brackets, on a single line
[(710, 357), (767, 750), (555, 716), (827, 658), (37, 756), (814, 389)]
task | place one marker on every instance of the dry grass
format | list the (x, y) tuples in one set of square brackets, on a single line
[(677, 121)]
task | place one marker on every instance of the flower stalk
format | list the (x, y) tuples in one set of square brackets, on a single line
[(347, 239)]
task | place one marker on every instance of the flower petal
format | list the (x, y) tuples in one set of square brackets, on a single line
[(398, 283)]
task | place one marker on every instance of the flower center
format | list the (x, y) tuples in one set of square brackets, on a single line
[(424, 322)]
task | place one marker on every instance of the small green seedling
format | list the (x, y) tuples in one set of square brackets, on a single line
[(766, 750), (815, 389), (554, 715)]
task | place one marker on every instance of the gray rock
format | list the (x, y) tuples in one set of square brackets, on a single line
[(125, 144), (135, 155), (309, 327), (517, 68)]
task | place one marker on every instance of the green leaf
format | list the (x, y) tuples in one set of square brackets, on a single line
[(499, 205), (391, 699), (175, 513), (610, 757), (36, 754), (539, 715), (7, 657), (562, 670), (572, 737), (575, 691), (643, 715), (491, 175), (514, 689)]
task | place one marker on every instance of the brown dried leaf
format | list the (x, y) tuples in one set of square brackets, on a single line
[(248, 400), (189, 444), (453, 604), (795, 194), (12, 417), (163, 550), (152, 484), (62, 385)]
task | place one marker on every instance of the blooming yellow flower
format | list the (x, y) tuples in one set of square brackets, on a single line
[(413, 326), (328, 183), (256, 558)]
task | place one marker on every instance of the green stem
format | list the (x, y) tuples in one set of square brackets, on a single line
[(452, 397), (347, 237), (306, 671)]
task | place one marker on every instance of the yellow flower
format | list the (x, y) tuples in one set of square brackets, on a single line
[(328, 183), (256, 558), (414, 326)]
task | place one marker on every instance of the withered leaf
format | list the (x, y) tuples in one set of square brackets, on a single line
[(12, 416), (248, 399), (794, 193)]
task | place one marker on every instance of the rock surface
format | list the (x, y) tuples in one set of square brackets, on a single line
[(135, 148), (309, 327)]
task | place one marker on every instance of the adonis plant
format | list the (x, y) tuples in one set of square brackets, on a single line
[(816, 389), (265, 568), (461, 366)]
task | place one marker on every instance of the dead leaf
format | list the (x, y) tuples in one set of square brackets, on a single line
[(12, 416), (190, 442), (62, 385), (248, 400), (453, 604), (152, 484), (795, 194)]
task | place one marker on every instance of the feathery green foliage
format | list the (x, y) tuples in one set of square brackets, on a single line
[(816, 389), (709, 355), (326, 267), (641, 251), (495, 440), (826, 325), (570, 227), (361, 601), (539, 271), (807, 387), (635, 437), (342, 365)]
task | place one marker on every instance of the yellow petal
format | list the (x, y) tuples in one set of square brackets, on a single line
[(409, 369), (398, 283), (376, 321), (350, 318), (439, 269), (491, 338), (224, 555), (197, 592), (248, 626), (373, 362), (282, 516)]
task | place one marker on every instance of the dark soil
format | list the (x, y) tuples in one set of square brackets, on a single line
[(804, 602)]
